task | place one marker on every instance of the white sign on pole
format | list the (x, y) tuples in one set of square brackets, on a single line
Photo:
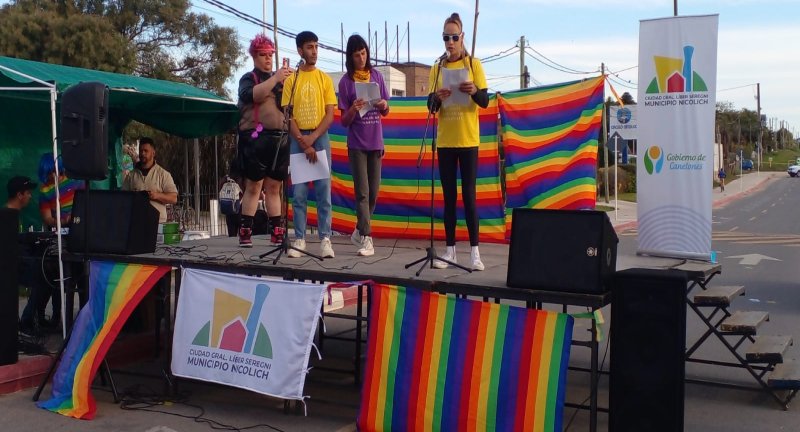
[(624, 121), (247, 332), (677, 88)]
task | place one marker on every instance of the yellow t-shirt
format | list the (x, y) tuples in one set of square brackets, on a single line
[(458, 125), (314, 92)]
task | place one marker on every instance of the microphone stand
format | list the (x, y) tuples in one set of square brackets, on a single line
[(284, 247), (430, 251)]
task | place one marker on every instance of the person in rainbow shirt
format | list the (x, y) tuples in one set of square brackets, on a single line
[(47, 191)]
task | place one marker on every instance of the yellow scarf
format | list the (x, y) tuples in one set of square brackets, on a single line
[(361, 76)]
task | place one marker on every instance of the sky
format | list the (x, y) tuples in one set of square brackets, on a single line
[(758, 39)]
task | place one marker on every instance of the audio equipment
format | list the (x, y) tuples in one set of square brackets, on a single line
[(561, 250), (116, 222), (84, 131), (648, 345), (9, 290)]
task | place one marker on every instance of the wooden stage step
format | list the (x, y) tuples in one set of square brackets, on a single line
[(786, 376), (721, 296), (768, 349), (743, 322)]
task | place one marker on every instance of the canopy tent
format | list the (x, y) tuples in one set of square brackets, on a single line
[(29, 106), (26, 132)]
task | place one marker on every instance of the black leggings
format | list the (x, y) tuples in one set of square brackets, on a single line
[(465, 160)]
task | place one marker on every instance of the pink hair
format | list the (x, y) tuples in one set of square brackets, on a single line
[(261, 43)]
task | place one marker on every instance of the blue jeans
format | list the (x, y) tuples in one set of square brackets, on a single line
[(322, 191)]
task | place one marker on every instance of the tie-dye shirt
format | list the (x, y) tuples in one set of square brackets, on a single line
[(66, 191)]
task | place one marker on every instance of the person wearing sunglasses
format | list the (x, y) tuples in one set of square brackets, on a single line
[(261, 127), (458, 138), (364, 137)]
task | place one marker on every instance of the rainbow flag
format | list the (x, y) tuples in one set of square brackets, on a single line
[(550, 137), (115, 289), (403, 207), (435, 362)]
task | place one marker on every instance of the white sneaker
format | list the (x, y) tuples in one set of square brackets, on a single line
[(449, 255), (356, 238), (299, 244), (477, 264), (367, 249), (325, 248)]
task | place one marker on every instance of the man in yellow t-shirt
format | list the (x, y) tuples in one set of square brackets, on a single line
[(310, 96)]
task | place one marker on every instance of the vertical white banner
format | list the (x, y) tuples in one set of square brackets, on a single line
[(247, 332), (677, 99)]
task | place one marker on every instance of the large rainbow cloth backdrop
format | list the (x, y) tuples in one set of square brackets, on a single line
[(439, 363), (115, 289), (550, 136)]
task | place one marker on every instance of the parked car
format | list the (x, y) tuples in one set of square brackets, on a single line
[(794, 171), (747, 165)]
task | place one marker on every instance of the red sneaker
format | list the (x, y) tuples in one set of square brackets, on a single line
[(244, 237), (277, 235)]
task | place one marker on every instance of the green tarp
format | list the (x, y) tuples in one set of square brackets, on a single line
[(26, 133)]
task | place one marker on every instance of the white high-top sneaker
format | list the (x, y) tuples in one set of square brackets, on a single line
[(367, 249), (475, 255), (449, 255)]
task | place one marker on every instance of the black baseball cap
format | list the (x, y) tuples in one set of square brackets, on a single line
[(19, 184)]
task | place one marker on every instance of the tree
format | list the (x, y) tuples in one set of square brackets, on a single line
[(159, 39)]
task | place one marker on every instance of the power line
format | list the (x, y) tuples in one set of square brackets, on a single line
[(556, 65), (621, 82), (736, 88), (253, 20), (489, 58), (497, 58)]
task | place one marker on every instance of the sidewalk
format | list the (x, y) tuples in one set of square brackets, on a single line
[(625, 214)]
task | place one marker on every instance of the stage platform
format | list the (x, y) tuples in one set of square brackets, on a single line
[(386, 266)]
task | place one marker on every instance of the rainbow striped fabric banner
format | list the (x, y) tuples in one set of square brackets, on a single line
[(115, 289), (550, 137), (403, 208), (439, 363)]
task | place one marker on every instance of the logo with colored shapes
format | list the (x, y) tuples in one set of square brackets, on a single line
[(236, 325), (654, 160), (623, 115), (676, 75)]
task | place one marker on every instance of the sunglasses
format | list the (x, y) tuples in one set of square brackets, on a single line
[(446, 37)]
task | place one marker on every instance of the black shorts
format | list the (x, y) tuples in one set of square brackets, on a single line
[(258, 155)]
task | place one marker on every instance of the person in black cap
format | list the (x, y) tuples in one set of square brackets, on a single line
[(19, 192)]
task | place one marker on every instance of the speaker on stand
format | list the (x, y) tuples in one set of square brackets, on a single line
[(84, 131), (84, 149), (648, 344)]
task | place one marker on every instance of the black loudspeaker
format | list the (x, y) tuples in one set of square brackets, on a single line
[(9, 289), (117, 222), (561, 250), (84, 131), (648, 344)]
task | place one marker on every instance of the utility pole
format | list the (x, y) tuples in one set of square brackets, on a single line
[(604, 139), (342, 24), (397, 38), (758, 105), (274, 30), (408, 43), (675, 6), (386, 41), (522, 62)]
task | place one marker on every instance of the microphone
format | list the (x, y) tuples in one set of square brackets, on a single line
[(442, 57)]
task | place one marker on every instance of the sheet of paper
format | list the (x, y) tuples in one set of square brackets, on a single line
[(452, 78), (370, 93), (303, 171)]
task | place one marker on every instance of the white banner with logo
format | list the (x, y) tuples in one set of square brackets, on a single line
[(677, 87), (624, 121), (247, 332)]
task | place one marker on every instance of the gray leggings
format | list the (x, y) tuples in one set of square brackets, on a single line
[(366, 168)]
